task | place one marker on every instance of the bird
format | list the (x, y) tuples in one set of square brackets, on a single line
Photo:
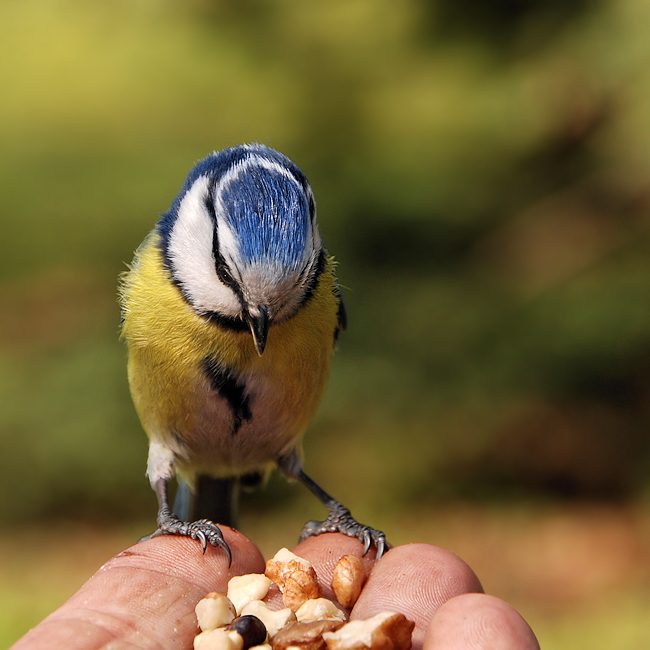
[(231, 310)]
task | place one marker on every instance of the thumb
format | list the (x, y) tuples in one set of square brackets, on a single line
[(144, 597)]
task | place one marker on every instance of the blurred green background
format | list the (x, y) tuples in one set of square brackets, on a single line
[(482, 173)]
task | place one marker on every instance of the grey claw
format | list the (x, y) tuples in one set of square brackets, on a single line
[(199, 535), (366, 541), (203, 531), (214, 536), (226, 549)]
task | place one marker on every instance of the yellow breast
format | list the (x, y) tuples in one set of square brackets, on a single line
[(168, 343)]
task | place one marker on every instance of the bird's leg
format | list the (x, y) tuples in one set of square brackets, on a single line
[(340, 520), (202, 530)]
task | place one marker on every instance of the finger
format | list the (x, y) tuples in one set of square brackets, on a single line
[(415, 580), (145, 596), (476, 621)]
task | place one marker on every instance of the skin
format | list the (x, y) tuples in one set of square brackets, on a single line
[(144, 597)]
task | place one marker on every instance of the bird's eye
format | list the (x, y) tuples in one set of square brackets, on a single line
[(224, 275)]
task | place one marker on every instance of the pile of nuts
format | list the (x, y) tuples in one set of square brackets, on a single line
[(241, 620)]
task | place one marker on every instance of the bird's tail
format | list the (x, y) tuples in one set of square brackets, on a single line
[(212, 498), (216, 499)]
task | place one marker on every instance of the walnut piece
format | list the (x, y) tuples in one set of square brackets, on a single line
[(299, 587), (213, 611), (385, 631), (319, 609), (274, 620), (243, 621), (283, 563), (347, 580), (295, 577), (306, 636), (219, 639), (244, 589)]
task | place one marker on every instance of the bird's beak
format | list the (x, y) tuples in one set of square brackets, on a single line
[(259, 329)]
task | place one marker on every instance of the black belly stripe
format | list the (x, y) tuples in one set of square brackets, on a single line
[(233, 391)]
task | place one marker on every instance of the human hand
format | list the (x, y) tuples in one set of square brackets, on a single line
[(145, 596)]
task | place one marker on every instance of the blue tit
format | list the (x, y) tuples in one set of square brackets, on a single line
[(230, 311)]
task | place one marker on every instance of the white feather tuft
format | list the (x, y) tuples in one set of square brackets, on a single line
[(190, 252)]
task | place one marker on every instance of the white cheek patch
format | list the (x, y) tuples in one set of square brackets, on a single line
[(190, 252), (228, 247)]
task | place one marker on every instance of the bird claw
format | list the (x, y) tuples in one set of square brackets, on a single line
[(341, 521), (203, 531)]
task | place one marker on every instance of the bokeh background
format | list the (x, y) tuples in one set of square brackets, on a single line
[(482, 173)]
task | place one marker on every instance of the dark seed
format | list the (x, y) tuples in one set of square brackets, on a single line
[(251, 630)]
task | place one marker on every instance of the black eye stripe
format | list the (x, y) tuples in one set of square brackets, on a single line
[(220, 266), (228, 322), (312, 281), (208, 200), (312, 206), (224, 275), (222, 270)]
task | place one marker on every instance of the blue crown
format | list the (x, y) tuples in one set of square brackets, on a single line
[(269, 212), (263, 197)]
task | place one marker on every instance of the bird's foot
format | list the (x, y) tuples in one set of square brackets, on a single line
[(203, 530), (341, 521)]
